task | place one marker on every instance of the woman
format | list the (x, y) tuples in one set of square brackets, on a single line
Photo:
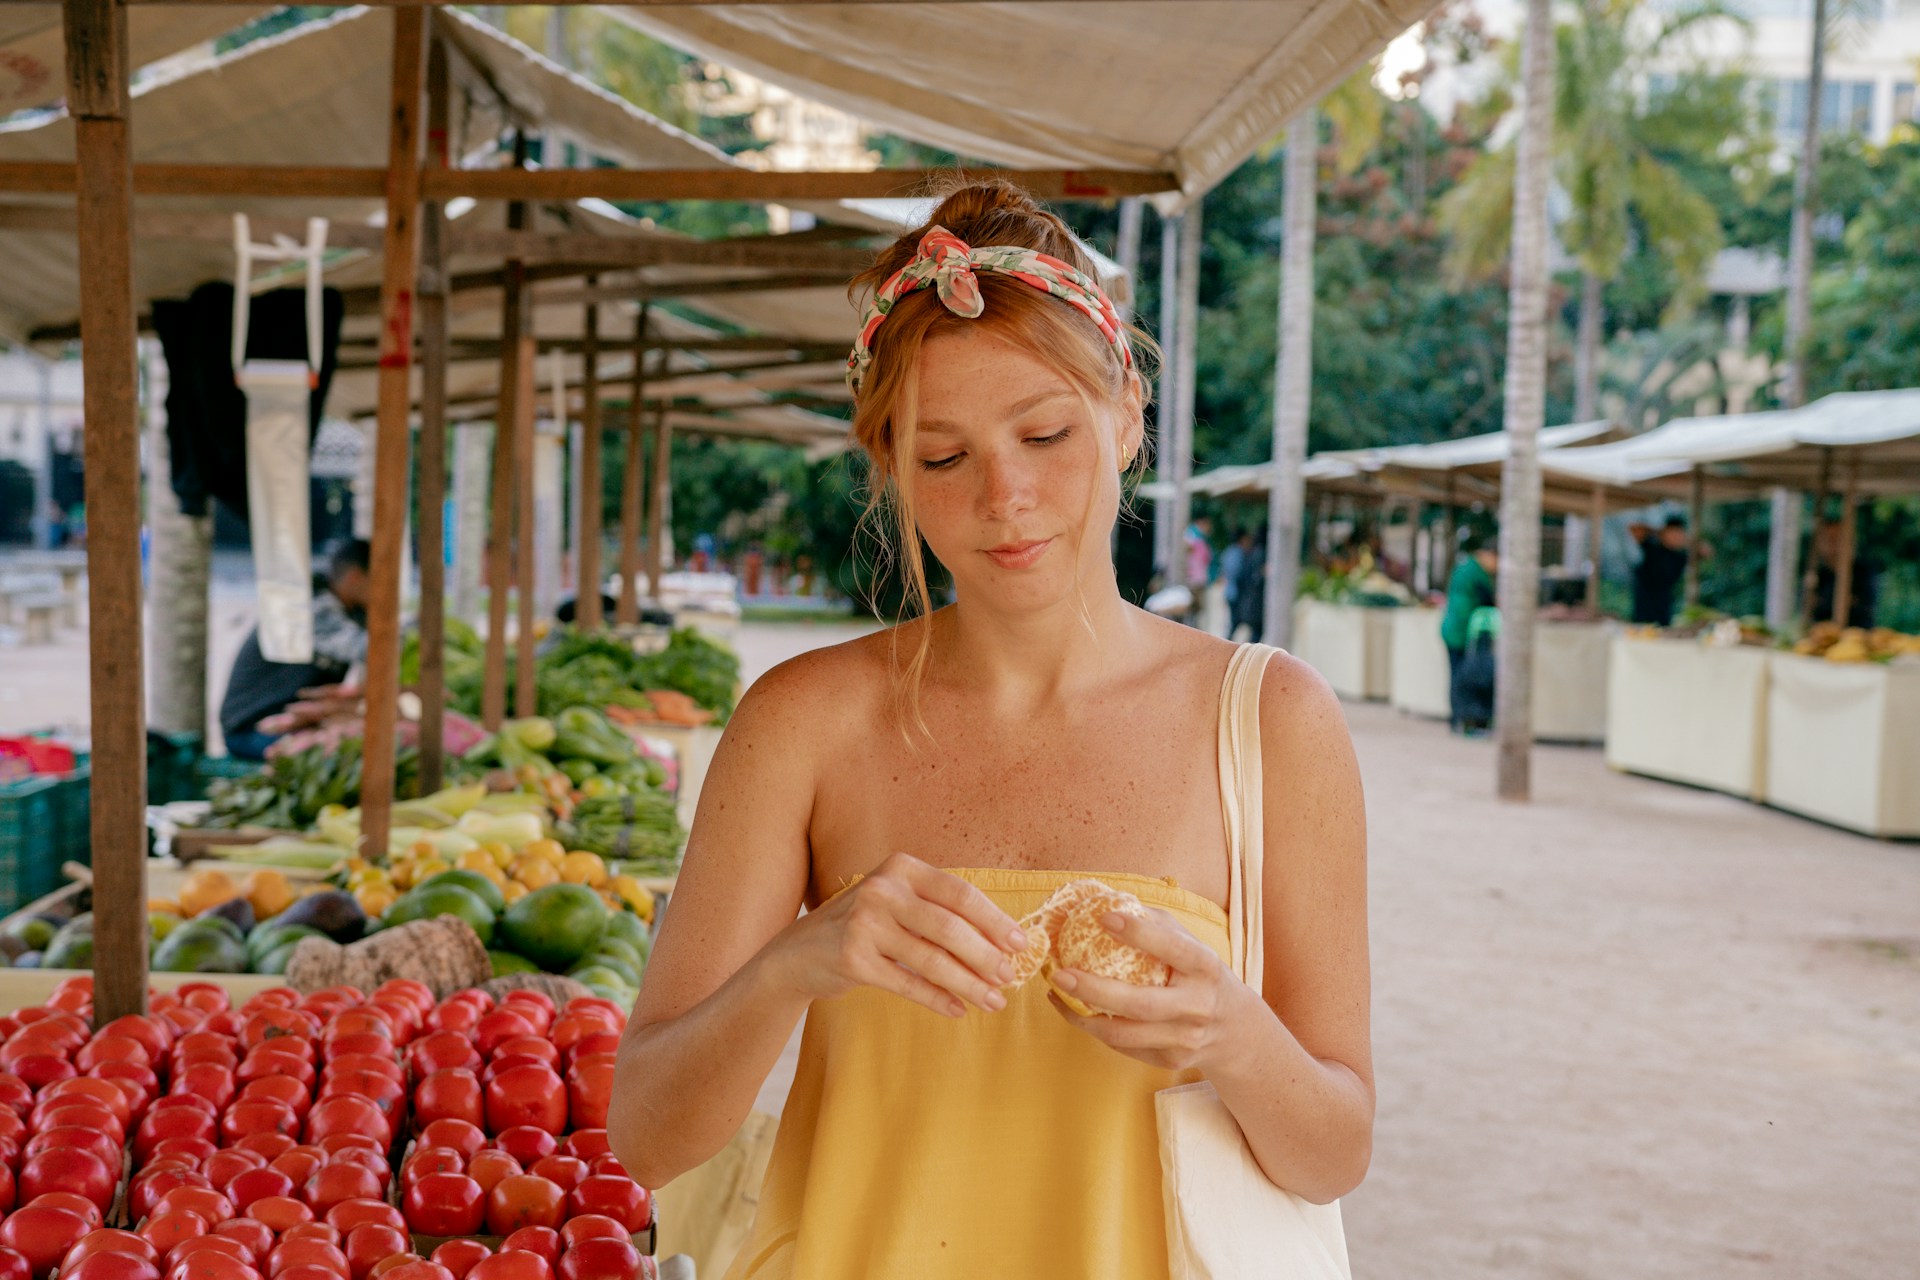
[(921, 789)]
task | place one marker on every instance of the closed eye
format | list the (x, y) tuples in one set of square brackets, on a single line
[(941, 464)]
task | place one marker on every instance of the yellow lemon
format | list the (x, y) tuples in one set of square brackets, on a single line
[(536, 873), (502, 856), (513, 891), (546, 848), (631, 892), (375, 901), (583, 868)]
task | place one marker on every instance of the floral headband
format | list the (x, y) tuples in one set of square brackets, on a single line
[(949, 264)]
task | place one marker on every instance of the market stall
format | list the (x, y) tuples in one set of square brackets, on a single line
[(1570, 665), (1349, 644), (1689, 712), (1843, 742)]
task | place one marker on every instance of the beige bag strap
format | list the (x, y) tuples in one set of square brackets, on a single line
[(1241, 783)]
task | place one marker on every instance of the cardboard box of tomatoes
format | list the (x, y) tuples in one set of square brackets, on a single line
[(205, 1141)]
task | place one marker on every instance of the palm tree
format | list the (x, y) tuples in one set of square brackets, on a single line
[(1607, 136)]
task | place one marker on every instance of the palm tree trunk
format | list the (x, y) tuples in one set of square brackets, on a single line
[(1293, 379), (1186, 351), (181, 555), (1526, 395), (1586, 399), (1783, 541), (1166, 538)]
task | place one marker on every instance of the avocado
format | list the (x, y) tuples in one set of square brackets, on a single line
[(274, 935), (442, 899), (600, 961), (236, 911), (333, 912), (473, 882), (33, 931), (275, 961), (27, 960), (72, 946), (202, 946)]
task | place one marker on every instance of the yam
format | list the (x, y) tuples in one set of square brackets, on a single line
[(442, 952)]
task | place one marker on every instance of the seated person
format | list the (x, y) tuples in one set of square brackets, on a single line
[(258, 688)]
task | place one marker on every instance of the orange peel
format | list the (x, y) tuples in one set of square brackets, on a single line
[(1066, 933)]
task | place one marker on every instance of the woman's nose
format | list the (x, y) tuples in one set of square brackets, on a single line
[(1007, 485)]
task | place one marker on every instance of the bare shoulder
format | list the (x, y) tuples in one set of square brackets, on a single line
[(1306, 747), (815, 694)]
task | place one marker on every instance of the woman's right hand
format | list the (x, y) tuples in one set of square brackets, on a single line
[(909, 928)]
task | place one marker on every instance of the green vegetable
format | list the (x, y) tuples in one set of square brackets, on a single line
[(583, 733), (641, 829), (290, 792), (532, 732)]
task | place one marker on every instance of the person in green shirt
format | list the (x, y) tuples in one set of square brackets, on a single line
[(1470, 588)]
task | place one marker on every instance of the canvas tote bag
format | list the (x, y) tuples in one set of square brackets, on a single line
[(1225, 1220)]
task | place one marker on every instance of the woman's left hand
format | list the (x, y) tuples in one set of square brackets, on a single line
[(1178, 1027)]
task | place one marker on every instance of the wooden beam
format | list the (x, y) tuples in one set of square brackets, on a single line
[(97, 98), (526, 698), (1849, 533), (1596, 541), (659, 4), (433, 439), (627, 611), (636, 251), (171, 224), (351, 182), (400, 270), (586, 553), (513, 306), (657, 501), (1696, 509), (640, 289)]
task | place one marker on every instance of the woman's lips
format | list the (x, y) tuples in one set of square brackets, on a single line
[(1021, 555)]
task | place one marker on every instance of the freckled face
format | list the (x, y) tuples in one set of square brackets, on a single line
[(1015, 480)]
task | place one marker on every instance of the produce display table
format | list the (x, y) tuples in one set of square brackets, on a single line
[(1689, 712), (21, 988), (1843, 742), (1570, 662), (1349, 644)]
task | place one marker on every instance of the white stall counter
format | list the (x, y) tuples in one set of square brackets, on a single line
[(1689, 712), (1843, 742)]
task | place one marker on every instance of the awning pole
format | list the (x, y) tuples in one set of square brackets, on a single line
[(493, 697), (400, 268), (657, 502), (1696, 507), (526, 388), (1596, 530), (1849, 529), (586, 555), (433, 437), (629, 606), (1810, 579), (97, 76)]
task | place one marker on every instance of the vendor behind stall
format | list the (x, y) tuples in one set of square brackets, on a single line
[(1864, 589), (1469, 590), (259, 688), (1663, 563)]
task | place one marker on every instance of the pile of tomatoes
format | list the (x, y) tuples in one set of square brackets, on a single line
[(261, 1138)]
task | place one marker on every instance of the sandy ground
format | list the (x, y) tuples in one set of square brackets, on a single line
[(1628, 1030)]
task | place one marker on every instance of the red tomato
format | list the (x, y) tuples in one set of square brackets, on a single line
[(213, 1081), (280, 1212), (161, 1123), (42, 1069), (348, 1113), (334, 1144), (441, 1051), (305, 1253), (108, 1266), (606, 1007), (210, 1264), (621, 1199), (460, 1256), (349, 1215), (258, 1115), (585, 1144), (373, 1160), (297, 1164), (368, 1043), (594, 1042), (591, 1226), (209, 997), (270, 1145), (216, 1242), (15, 1093), (397, 1260), (415, 992), (190, 1151), (184, 1019), (138, 1085), (107, 1048), (453, 1015), (407, 1021), (370, 1242), (73, 1169), (98, 1141), (384, 1091), (88, 1089), (333, 1183), (590, 1092), (507, 1061), (276, 1023), (426, 1160), (85, 1114), (146, 1189), (43, 1234), (222, 1167), (251, 1234), (205, 1201), (309, 1271), (515, 1265), (149, 1031), (564, 1172), (282, 1089), (165, 1230), (526, 1143), (419, 1269), (257, 1184), (12, 1128), (445, 1204), (270, 1061), (8, 1195), (458, 1135), (494, 1029), (527, 1095), (601, 1259), (570, 1029), (204, 1046), (72, 1202), (540, 998), (522, 1200), (360, 1021), (451, 1094), (359, 1065), (14, 1265), (108, 1240), (324, 1232), (544, 1241), (489, 1167)]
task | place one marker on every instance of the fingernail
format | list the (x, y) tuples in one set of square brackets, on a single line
[(955, 1009), (1006, 971), (1114, 921), (996, 1001), (1017, 940), (1064, 980)]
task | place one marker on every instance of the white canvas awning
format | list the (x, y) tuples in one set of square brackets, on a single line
[(33, 50), (1190, 87)]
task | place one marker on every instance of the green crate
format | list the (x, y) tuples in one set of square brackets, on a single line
[(72, 827), (171, 758), (27, 854)]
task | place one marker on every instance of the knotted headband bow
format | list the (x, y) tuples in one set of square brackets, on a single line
[(951, 266)]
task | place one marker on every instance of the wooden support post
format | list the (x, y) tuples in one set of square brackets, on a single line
[(400, 267), (526, 384), (1596, 531), (657, 502), (1696, 509), (493, 695), (1849, 530), (1450, 532), (1810, 581), (433, 438), (586, 556), (97, 72), (628, 610)]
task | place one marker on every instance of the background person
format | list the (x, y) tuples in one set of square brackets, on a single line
[(1469, 589), (1865, 589), (1663, 563), (258, 688)]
